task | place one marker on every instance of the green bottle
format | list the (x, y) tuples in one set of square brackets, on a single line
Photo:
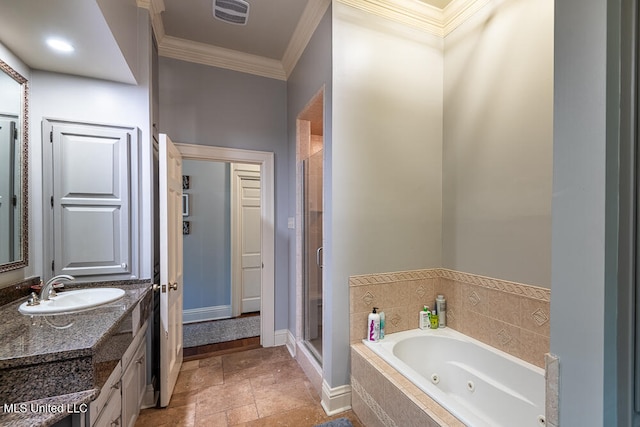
[(434, 320)]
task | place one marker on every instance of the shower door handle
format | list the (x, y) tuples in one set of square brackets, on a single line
[(318, 252)]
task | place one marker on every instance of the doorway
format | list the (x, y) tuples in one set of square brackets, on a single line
[(310, 161), (262, 167), (246, 258)]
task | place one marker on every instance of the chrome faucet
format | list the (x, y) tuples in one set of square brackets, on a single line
[(48, 291)]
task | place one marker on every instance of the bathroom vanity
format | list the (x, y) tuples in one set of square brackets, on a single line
[(87, 368)]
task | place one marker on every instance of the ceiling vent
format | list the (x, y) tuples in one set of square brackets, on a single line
[(231, 11)]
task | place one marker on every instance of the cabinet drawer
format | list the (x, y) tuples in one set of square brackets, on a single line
[(110, 416), (133, 380), (129, 354), (112, 384)]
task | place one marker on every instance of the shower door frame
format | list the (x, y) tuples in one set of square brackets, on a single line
[(311, 114)]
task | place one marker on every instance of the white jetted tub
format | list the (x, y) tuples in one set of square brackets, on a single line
[(479, 384)]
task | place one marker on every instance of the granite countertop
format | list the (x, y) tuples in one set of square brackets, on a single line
[(29, 340), (30, 344), (48, 411)]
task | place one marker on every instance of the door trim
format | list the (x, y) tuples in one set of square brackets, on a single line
[(267, 195)]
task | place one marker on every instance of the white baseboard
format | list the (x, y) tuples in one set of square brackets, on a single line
[(310, 366), (291, 344), (337, 399), (206, 313), (150, 397), (280, 337)]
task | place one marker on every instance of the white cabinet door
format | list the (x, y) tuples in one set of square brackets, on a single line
[(133, 386), (129, 396), (110, 415), (90, 199), (171, 275)]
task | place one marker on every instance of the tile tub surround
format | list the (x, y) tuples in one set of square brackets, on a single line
[(46, 356), (510, 316), (383, 397)]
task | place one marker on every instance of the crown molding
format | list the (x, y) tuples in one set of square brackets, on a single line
[(311, 17), (458, 11), (155, 8), (409, 12), (439, 22), (201, 53), (431, 19)]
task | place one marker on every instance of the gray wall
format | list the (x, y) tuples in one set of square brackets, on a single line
[(498, 143), (386, 184), (207, 250), (212, 106), (579, 203), (312, 72)]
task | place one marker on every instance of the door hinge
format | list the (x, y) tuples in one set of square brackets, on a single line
[(53, 265), (51, 136), (15, 134), (15, 200), (51, 201)]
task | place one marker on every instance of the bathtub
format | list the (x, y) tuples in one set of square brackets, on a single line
[(480, 385)]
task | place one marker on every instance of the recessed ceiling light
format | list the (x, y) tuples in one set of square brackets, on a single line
[(60, 45)]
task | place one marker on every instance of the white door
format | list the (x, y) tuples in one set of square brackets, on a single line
[(170, 171), (247, 238), (251, 244), (90, 199)]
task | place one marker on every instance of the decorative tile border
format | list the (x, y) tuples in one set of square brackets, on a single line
[(528, 291), (384, 418), (399, 276), (515, 288)]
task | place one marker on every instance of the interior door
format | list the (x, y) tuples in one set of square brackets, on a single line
[(90, 199), (251, 243), (246, 238), (171, 274)]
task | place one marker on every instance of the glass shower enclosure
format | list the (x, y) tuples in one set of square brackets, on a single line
[(312, 251)]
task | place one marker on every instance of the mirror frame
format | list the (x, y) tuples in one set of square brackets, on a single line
[(24, 140)]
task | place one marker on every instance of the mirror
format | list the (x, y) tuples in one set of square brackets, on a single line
[(13, 169)]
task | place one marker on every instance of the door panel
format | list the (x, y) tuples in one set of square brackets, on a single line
[(91, 200), (171, 274), (251, 243)]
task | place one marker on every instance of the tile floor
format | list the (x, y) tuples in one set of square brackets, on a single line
[(261, 387)]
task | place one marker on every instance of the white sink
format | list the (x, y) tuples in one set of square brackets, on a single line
[(69, 301)]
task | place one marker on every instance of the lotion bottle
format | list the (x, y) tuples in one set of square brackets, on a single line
[(382, 324), (424, 318), (441, 308), (373, 326)]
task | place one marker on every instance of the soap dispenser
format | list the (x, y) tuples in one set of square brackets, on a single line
[(373, 326)]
